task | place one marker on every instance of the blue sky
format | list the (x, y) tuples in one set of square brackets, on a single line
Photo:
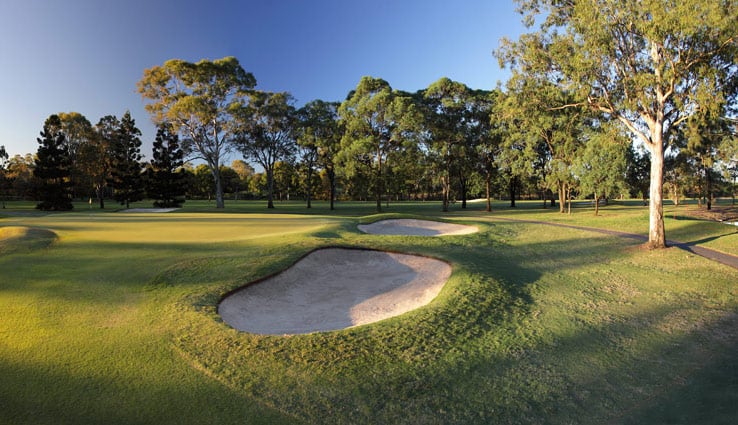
[(87, 55)]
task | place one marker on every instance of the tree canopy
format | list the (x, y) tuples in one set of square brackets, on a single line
[(648, 64), (200, 100)]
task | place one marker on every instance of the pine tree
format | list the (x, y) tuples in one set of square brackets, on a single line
[(53, 168), (126, 178), (166, 177)]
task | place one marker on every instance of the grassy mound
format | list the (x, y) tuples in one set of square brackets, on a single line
[(15, 239)]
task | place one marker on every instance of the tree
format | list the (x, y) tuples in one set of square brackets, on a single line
[(378, 121), (319, 141), (125, 177), (199, 100), (245, 172), (637, 172), (4, 180), (705, 134), (551, 137), (267, 131), (648, 64), (78, 133), (445, 113), (486, 130), (53, 168), (166, 177), (94, 156), (19, 176), (601, 167)]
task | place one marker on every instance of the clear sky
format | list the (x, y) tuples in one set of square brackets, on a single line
[(87, 55)]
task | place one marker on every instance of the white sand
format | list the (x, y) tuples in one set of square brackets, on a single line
[(334, 289), (416, 228)]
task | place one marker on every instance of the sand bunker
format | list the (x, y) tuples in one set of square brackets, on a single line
[(416, 228), (333, 289)]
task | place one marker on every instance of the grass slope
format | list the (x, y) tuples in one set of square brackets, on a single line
[(116, 322)]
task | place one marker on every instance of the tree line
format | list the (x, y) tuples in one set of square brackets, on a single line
[(605, 99), (447, 142)]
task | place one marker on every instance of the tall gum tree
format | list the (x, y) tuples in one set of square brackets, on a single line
[(319, 138), (267, 130), (199, 100), (648, 63), (377, 122)]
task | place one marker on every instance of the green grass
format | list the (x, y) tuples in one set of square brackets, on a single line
[(109, 317)]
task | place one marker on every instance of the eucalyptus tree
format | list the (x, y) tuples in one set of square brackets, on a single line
[(707, 134), (19, 176), (649, 64), (199, 100), (319, 140), (445, 105), (52, 169), (266, 133), (77, 131), (378, 121), (486, 132), (551, 137), (601, 166), (95, 156)]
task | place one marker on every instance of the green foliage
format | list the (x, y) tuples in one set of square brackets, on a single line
[(267, 133), (601, 167), (200, 100), (379, 121), (53, 168), (319, 140), (126, 177), (649, 65), (165, 177)]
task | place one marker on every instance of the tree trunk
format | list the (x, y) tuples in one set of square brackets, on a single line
[(100, 196), (708, 178), (446, 188), (656, 230), (309, 186), (562, 197), (511, 188), (597, 204), (219, 200), (270, 188), (568, 198), (487, 186), (544, 196), (332, 180), (462, 184)]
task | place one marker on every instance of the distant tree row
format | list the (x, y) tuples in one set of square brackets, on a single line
[(76, 160), (606, 98), (446, 142)]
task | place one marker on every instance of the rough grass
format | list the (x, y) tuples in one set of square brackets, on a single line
[(116, 322)]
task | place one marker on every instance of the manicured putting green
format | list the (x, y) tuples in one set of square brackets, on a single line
[(411, 227)]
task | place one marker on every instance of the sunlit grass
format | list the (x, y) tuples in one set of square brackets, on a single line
[(116, 322)]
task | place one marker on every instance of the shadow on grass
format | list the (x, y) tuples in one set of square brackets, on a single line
[(36, 395)]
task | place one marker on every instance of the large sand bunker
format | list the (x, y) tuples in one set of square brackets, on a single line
[(416, 228), (333, 289)]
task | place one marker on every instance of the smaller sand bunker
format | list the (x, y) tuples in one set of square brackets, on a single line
[(411, 227), (335, 288)]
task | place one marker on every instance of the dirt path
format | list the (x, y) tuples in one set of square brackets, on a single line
[(711, 254)]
